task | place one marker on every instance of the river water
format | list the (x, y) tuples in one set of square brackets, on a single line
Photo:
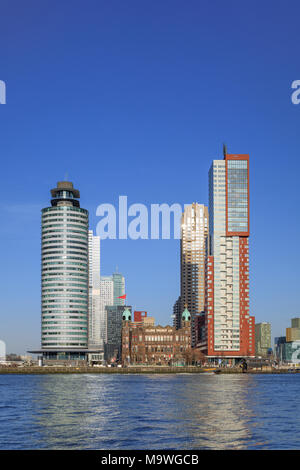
[(180, 411)]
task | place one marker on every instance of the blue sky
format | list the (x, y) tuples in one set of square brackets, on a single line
[(136, 98)]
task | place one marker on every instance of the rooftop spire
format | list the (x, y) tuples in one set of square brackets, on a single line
[(126, 315), (186, 316)]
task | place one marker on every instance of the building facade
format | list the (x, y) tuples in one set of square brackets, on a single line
[(119, 288), (262, 338), (177, 314), (142, 318), (293, 332), (106, 298), (278, 347), (64, 274), (287, 352), (139, 315), (113, 345), (228, 328), (111, 288), (155, 345), (287, 348), (96, 317), (193, 243)]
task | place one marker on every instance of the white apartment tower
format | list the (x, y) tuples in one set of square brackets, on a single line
[(106, 299), (229, 328), (96, 326)]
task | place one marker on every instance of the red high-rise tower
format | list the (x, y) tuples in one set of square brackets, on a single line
[(227, 327)]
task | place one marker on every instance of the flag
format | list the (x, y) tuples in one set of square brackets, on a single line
[(122, 296)]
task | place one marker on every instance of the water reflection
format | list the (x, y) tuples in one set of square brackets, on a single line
[(149, 412)]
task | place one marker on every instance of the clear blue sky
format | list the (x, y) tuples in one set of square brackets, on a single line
[(136, 98)]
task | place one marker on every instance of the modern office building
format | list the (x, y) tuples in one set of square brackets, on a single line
[(64, 275), (119, 288), (106, 298), (293, 333), (287, 352), (292, 352), (228, 328), (65, 278), (194, 244), (295, 322), (114, 314), (287, 348), (177, 314), (279, 343), (262, 339), (111, 289), (96, 317)]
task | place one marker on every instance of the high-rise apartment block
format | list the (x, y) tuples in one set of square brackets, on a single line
[(228, 328), (262, 338), (96, 316), (194, 240), (106, 298)]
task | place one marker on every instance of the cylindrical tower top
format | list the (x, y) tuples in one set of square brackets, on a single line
[(65, 194)]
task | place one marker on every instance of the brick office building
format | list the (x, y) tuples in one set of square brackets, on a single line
[(142, 318), (155, 345)]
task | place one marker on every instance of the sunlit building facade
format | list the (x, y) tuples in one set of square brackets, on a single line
[(227, 328), (194, 240), (262, 338), (119, 288), (106, 299), (96, 320), (150, 344), (64, 271)]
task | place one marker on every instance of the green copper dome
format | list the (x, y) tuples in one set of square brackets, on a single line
[(186, 316), (126, 315)]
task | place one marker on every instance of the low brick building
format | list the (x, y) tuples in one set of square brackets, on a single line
[(155, 345)]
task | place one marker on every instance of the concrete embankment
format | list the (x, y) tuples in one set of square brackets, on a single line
[(100, 370), (130, 370)]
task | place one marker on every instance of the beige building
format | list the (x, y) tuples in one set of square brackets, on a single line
[(293, 333), (148, 321), (194, 240)]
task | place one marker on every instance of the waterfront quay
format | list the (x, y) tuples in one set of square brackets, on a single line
[(139, 370)]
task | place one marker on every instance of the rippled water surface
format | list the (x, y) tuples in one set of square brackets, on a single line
[(150, 411)]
